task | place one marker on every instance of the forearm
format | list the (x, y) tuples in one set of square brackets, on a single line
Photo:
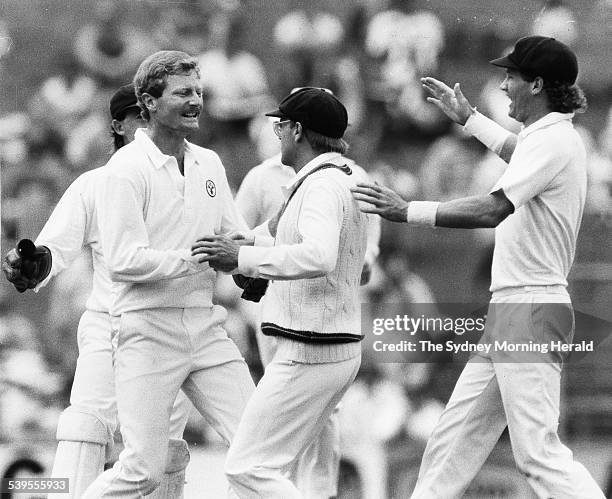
[(491, 134), (473, 212), (64, 235), (62, 257), (297, 261), (139, 264)]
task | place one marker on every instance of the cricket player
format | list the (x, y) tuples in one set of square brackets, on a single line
[(158, 194), (314, 259), (85, 429), (259, 198), (536, 207)]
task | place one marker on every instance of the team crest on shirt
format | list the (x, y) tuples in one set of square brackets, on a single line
[(211, 188)]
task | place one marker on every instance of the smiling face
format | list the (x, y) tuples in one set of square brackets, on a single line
[(520, 93), (178, 108)]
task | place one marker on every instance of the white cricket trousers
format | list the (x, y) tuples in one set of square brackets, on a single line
[(521, 395), (85, 430), (93, 387), (156, 353), (316, 472), (291, 404)]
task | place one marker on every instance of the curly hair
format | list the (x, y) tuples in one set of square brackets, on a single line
[(151, 76), (565, 98)]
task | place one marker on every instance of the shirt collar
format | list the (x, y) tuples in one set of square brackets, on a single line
[(549, 119), (158, 158), (328, 157)]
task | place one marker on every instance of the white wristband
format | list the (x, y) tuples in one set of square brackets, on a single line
[(488, 132), (422, 213)]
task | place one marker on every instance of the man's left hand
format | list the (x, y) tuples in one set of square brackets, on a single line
[(221, 252), (384, 201)]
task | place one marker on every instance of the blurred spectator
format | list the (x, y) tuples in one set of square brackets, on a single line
[(556, 20), (305, 38), (109, 48), (67, 119), (235, 89), (599, 177), (447, 172), (185, 26), (27, 385), (88, 143), (32, 200), (374, 410), (407, 43), (6, 42), (341, 70), (406, 183), (234, 81), (264, 138), (66, 304), (605, 137), (402, 284), (320, 52), (13, 146), (60, 103)]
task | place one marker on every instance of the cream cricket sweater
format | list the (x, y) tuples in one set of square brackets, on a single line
[(317, 318)]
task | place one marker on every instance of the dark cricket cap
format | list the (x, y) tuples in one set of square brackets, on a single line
[(542, 56), (316, 109), (122, 101)]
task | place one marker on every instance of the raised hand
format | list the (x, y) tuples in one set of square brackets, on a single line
[(451, 101)]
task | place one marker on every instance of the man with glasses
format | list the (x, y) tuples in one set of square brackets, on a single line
[(259, 198), (314, 257)]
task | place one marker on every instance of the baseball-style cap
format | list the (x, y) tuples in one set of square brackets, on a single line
[(542, 56), (122, 101), (316, 109)]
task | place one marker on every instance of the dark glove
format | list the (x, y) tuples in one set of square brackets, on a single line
[(253, 287), (27, 265)]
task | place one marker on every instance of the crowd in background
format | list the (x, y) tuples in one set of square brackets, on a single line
[(372, 58)]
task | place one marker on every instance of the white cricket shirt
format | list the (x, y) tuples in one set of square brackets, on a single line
[(546, 182), (150, 216), (71, 227)]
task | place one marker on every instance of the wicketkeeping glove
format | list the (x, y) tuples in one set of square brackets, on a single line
[(253, 287), (27, 265)]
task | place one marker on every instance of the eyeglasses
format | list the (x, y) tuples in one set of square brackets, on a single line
[(276, 126)]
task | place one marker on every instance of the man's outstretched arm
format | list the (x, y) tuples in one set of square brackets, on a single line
[(454, 104), (464, 213)]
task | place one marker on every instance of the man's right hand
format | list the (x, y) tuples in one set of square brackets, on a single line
[(451, 101), (11, 266), (27, 265)]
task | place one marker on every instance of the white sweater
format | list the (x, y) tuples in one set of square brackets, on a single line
[(321, 240)]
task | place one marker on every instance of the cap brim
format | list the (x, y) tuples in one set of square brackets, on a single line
[(124, 110), (504, 62), (277, 113)]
